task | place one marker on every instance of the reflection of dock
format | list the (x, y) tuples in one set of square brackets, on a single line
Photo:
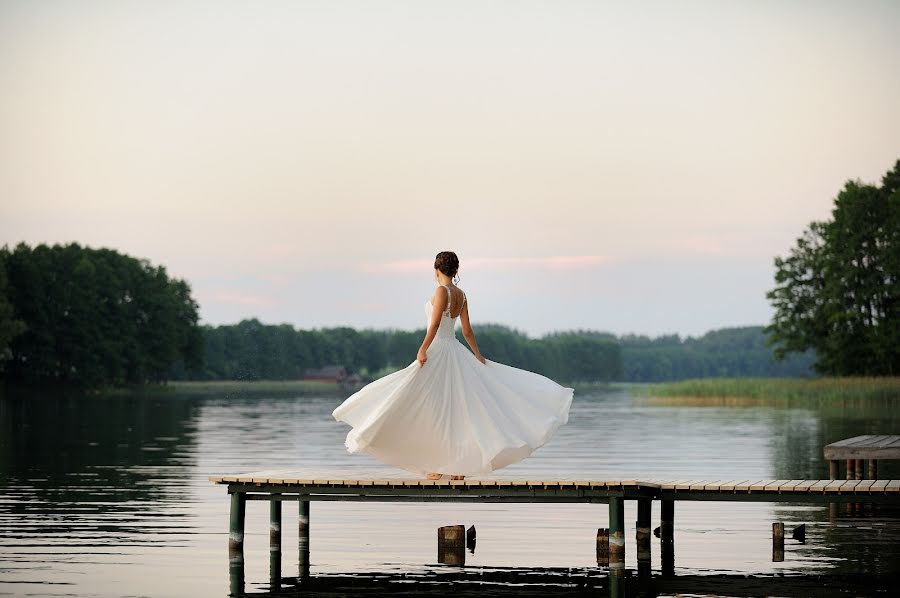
[(854, 451), (309, 486)]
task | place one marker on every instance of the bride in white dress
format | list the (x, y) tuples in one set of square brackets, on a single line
[(451, 411)]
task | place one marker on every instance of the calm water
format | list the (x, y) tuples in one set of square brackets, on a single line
[(110, 497)]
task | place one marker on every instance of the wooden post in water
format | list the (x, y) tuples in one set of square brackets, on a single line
[(873, 469), (603, 547), (851, 469), (452, 545), (236, 544), (859, 469), (777, 542), (834, 469), (616, 535), (667, 520), (667, 536), (303, 528), (236, 523), (275, 541), (642, 535)]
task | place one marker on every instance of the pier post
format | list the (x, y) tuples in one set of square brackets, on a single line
[(667, 536), (834, 469), (303, 528), (859, 469), (777, 542), (452, 545), (236, 524), (616, 535), (851, 469), (275, 542), (236, 544), (642, 535), (666, 520), (873, 469), (603, 547)]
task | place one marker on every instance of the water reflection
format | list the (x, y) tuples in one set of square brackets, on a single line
[(105, 496)]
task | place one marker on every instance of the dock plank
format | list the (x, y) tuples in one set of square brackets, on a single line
[(775, 485)]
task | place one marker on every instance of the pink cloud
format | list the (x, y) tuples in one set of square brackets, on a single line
[(228, 298), (557, 262)]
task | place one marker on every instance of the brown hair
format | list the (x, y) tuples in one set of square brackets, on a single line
[(447, 262)]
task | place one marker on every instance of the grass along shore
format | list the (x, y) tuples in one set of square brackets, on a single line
[(775, 390)]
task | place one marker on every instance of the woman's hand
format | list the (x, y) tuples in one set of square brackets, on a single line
[(480, 357), (422, 357)]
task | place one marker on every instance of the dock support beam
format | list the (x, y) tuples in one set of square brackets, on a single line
[(236, 544), (873, 469), (303, 528), (642, 535), (616, 535), (834, 469), (667, 536), (777, 542), (275, 542), (851, 469), (236, 524)]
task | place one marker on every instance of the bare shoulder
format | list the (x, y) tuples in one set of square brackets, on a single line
[(439, 297)]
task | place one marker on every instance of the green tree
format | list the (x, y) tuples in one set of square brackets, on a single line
[(838, 290), (95, 317), (10, 326)]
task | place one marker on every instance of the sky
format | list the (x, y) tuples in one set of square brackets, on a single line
[(627, 167)]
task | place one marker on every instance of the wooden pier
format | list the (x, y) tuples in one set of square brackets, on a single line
[(856, 451), (305, 487)]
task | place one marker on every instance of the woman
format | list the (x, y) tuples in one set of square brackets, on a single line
[(451, 411)]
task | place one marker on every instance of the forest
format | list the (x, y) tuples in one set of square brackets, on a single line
[(251, 350), (93, 318)]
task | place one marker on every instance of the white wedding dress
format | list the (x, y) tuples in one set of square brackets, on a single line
[(454, 415)]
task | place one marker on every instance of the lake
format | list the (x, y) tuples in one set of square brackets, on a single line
[(110, 496)]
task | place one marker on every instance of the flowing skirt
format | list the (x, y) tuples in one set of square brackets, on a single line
[(454, 415)]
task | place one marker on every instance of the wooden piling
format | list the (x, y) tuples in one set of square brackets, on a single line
[(236, 574), (452, 545), (303, 539), (666, 520), (873, 469), (667, 558), (236, 523), (777, 542), (642, 529), (834, 469), (851, 469), (616, 533), (859, 469), (603, 547), (275, 542)]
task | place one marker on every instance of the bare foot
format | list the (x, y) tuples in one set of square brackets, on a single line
[(457, 477), (433, 476)]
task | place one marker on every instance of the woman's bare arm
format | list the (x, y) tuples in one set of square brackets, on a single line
[(468, 333), (439, 304)]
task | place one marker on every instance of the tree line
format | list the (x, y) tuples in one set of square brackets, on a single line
[(251, 350), (90, 317)]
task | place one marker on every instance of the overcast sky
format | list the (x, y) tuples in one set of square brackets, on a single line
[(630, 167)]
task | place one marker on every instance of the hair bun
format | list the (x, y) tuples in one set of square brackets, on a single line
[(447, 262)]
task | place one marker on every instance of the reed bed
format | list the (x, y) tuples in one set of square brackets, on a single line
[(750, 391)]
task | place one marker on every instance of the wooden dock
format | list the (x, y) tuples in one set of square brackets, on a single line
[(854, 451), (306, 486)]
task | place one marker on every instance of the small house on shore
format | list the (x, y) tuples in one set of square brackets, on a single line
[(329, 373)]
